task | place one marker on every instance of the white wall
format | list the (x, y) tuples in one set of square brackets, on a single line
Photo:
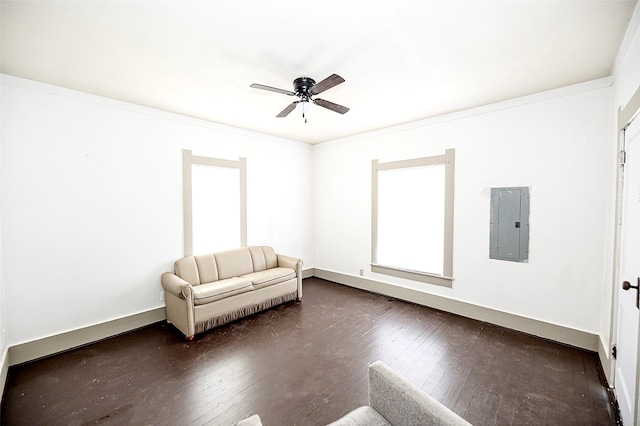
[(92, 203), (558, 143)]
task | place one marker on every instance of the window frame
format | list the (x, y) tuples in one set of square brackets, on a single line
[(448, 160), (188, 161)]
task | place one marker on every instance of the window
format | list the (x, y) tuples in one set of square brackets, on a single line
[(412, 218), (210, 224)]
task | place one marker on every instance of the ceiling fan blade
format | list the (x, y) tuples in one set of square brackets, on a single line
[(287, 110), (327, 83), (330, 105), (272, 89)]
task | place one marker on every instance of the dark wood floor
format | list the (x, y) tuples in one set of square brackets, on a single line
[(305, 364)]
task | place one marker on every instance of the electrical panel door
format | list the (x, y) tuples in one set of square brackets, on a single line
[(509, 234)]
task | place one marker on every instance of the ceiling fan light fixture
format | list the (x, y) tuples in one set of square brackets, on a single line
[(304, 107)]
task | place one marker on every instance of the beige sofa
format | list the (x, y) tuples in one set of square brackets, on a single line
[(212, 289)]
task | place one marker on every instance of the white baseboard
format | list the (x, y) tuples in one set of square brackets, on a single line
[(40, 348), (605, 359), (4, 370), (30, 351), (557, 333)]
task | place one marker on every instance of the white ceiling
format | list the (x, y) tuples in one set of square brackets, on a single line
[(402, 60)]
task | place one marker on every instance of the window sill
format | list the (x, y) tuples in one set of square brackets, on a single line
[(424, 277)]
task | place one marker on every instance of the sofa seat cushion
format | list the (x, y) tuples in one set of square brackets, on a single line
[(362, 416), (270, 276), (210, 292)]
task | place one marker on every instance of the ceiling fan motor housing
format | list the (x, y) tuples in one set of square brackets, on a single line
[(302, 85)]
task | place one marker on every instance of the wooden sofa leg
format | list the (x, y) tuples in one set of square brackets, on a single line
[(189, 338)]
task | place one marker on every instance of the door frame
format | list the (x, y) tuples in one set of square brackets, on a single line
[(625, 116)]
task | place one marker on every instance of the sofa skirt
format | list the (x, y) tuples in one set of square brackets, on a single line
[(232, 308)]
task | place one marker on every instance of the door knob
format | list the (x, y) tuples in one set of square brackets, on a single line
[(626, 285)]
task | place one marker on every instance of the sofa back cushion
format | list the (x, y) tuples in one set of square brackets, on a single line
[(233, 263), (187, 269), (207, 268), (263, 257)]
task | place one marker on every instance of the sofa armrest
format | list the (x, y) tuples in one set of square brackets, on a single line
[(402, 403), (175, 285), (295, 264), (289, 262)]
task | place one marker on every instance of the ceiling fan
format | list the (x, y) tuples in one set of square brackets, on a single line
[(305, 88)]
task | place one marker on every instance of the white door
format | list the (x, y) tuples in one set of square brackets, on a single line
[(628, 313)]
